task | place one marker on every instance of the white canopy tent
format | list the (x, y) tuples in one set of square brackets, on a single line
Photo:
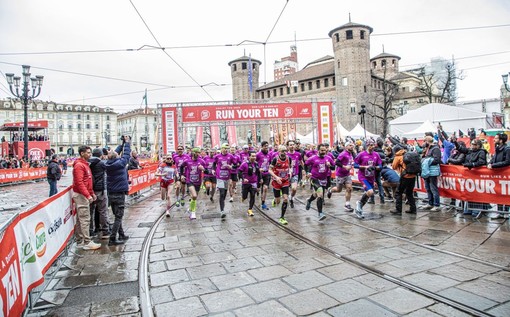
[(419, 132), (341, 132), (359, 132), (451, 119), (306, 139)]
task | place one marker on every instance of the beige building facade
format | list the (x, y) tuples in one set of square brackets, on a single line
[(141, 126)]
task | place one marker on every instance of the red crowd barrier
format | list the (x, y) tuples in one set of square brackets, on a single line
[(22, 174)]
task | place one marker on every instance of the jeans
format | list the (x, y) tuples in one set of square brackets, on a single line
[(53, 186), (99, 212), (117, 202), (432, 190), (406, 186), (379, 184)]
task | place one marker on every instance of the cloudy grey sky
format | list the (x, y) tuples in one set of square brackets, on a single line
[(88, 50)]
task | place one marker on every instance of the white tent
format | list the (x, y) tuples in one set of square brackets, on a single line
[(451, 119), (359, 132), (419, 132), (306, 139), (341, 132)]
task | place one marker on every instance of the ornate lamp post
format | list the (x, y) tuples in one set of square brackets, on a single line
[(362, 115), (25, 96)]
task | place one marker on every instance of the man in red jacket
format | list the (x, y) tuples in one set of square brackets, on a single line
[(83, 196)]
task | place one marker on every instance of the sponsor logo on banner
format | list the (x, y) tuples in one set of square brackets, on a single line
[(36, 154), (190, 115), (54, 227), (68, 213), (205, 114), (40, 239), (288, 112), (27, 254)]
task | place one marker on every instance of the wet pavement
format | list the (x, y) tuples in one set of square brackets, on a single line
[(247, 266)]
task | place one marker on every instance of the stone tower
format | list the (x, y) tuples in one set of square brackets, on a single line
[(385, 65), (351, 45), (240, 78)]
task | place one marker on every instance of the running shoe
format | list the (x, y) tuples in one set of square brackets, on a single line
[(264, 207), (282, 221), (329, 193), (207, 191), (308, 204), (231, 199), (291, 203), (322, 216), (167, 213), (223, 214), (359, 210), (250, 213), (273, 203), (177, 204), (211, 199), (348, 208), (192, 216), (437, 208), (182, 202)]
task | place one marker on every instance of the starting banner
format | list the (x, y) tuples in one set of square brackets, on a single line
[(479, 184), (29, 246), (22, 174)]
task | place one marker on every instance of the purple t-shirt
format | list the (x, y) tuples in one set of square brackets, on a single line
[(264, 160), (245, 166), (295, 158), (235, 163), (209, 162), (318, 166), (244, 156), (179, 159), (191, 171), (345, 158), (367, 159), (222, 163)]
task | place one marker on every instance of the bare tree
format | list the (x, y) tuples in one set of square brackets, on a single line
[(383, 102), (440, 84)]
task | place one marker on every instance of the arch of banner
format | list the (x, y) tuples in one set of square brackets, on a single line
[(210, 124)]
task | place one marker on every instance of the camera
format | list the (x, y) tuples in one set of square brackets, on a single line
[(125, 138)]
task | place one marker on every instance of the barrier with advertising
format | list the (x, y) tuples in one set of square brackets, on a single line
[(30, 244), (143, 178), (21, 174), (478, 184)]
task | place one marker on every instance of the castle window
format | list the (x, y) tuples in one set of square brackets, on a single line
[(326, 82), (302, 86), (310, 85), (295, 89), (318, 84), (269, 94), (333, 81), (338, 63), (243, 66), (374, 64), (383, 63), (365, 88), (262, 94), (403, 88), (362, 34), (353, 107), (344, 81), (281, 91), (393, 62), (234, 67), (274, 92), (288, 90), (337, 37), (253, 66), (348, 34)]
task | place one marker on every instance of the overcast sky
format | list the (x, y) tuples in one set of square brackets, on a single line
[(114, 73)]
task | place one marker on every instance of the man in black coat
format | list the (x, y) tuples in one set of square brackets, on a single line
[(53, 174), (501, 159), (99, 208)]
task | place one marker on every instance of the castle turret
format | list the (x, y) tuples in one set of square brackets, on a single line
[(241, 81), (385, 63), (351, 45)]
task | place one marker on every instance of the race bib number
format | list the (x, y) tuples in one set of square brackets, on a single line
[(224, 173), (283, 174), (194, 178), (254, 185), (323, 182)]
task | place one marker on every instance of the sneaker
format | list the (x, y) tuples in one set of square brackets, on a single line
[(359, 210), (264, 207), (329, 193), (395, 212), (348, 208), (282, 221), (167, 213), (177, 204), (382, 200), (410, 211), (308, 204), (291, 203), (91, 246), (371, 201), (223, 214), (182, 202), (115, 242), (437, 208), (123, 237), (427, 207), (207, 191), (322, 216), (231, 199), (250, 212), (192, 216), (273, 203), (211, 199)]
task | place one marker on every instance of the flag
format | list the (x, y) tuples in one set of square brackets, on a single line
[(287, 82), (145, 99), (250, 79)]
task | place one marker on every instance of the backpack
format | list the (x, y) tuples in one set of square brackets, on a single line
[(412, 161)]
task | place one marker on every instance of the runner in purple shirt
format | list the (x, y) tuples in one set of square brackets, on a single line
[(209, 178), (223, 163), (296, 160), (191, 175), (367, 162), (263, 160), (344, 164), (179, 158), (250, 179), (234, 178), (320, 175)]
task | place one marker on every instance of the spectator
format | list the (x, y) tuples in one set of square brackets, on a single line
[(53, 174), (83, 196), (500, 159), (431, 172), (447, 143), (406, 183), (134, 164), (99, 208), (390, 181)]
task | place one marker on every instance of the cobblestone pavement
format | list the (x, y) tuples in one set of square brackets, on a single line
[(247, 266)]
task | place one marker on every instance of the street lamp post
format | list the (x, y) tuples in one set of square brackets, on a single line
[(362, 115), (505, 81), (25, 96)]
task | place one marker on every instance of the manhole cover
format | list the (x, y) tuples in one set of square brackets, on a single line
[(145, 224)]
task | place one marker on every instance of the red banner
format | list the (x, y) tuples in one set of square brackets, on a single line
[(232, 134), (199, 139), (170, 134), (215, 136), (476, 185), (31, 124), (142, 178), (301, 110), (21, 174)]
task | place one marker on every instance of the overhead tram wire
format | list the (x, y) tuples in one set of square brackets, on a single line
[(166, 53)]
